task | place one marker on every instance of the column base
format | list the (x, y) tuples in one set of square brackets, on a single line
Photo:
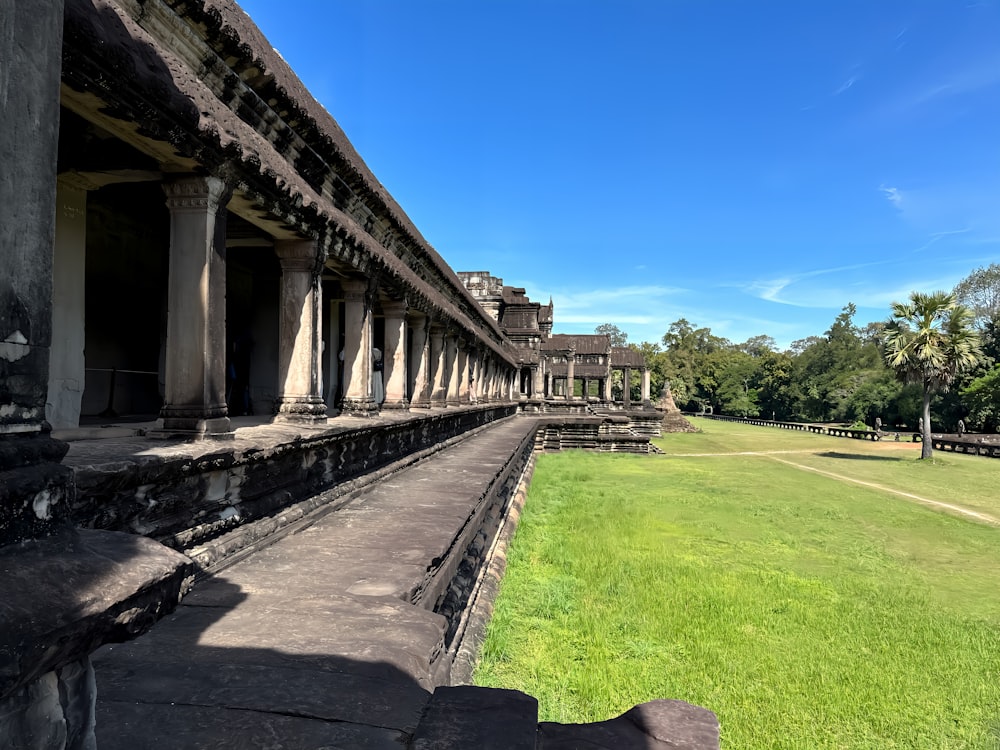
[(301, 409), (359, 407), (190, 424), (399, 404)]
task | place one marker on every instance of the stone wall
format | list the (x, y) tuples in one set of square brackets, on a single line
[(186, 501)]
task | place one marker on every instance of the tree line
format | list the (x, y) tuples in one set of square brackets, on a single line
[(937, 354)]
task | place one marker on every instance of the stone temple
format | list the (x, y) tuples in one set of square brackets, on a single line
[(220, 337)]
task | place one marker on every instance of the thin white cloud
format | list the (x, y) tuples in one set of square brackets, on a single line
[(846, 85), (893, 195), (938, 236)]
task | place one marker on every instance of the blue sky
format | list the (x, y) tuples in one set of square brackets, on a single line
[(750, 166)]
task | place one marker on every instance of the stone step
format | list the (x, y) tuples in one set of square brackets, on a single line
[(481, 718)]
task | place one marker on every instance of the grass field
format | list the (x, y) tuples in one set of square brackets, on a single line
[(807, 610)]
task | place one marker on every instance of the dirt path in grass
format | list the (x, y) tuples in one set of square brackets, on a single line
[(957, 509), (949, 507)]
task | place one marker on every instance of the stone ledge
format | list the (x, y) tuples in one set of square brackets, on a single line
[(666, 724), (63, 596)]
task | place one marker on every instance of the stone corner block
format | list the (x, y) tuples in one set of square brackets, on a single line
[(66, 595), (666, 724)]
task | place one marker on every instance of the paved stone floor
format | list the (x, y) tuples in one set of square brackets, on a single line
[(311, 642)]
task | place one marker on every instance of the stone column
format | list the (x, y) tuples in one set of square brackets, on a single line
[(475, 359), (33, 486), (299, 365), (645, 385), (420, 358), (570, 377), (548, 384), (67, 373), (482, 378), (394, 356), (358, 400), (627, 388), (195, 390), (538, 381), (463, 372), (439, 375), (453, 343)]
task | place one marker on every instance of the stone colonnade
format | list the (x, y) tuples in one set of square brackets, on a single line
[(448, 368), (548, 384)]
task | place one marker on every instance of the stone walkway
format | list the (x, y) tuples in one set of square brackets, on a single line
[(325, 638)]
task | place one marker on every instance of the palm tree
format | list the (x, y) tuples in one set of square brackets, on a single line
[(930, 340)]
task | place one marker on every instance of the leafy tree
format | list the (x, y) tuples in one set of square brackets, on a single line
[(982, 398), (618, 336), (758, 346), (930, 340), (775, 393), (692, 380), (980, 292), (828, 369)]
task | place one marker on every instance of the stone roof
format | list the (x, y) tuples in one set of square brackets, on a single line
[(593, 343), (280, 142), (625, 356)]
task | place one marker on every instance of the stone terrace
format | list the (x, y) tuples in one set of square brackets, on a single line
[(342, 633)]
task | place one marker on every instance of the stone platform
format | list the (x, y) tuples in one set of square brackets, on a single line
[(342, 632)]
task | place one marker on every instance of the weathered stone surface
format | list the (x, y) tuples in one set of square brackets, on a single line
[(666, 724), (304, 627), (30, 54), (482, 718), (344, 696), (63, 596), (673, 420), (186, 494), (34, 501), (127, 726)]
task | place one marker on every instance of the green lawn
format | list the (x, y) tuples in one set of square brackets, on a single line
[(805, 611)]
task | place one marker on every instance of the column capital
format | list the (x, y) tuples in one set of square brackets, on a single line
[(195, 193), (395, 308), (354, 289), (296, 249), (417, 320)]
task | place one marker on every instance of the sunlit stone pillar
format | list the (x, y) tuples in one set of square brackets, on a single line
[(395, 355), (358, 400), (475, 358), (195, 390), (462, 354), (452, 344), (538, 381), (420, 358), (627, 389), (548, 384), (645, 385), (440, 371), (570, 373), (299, 343)]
